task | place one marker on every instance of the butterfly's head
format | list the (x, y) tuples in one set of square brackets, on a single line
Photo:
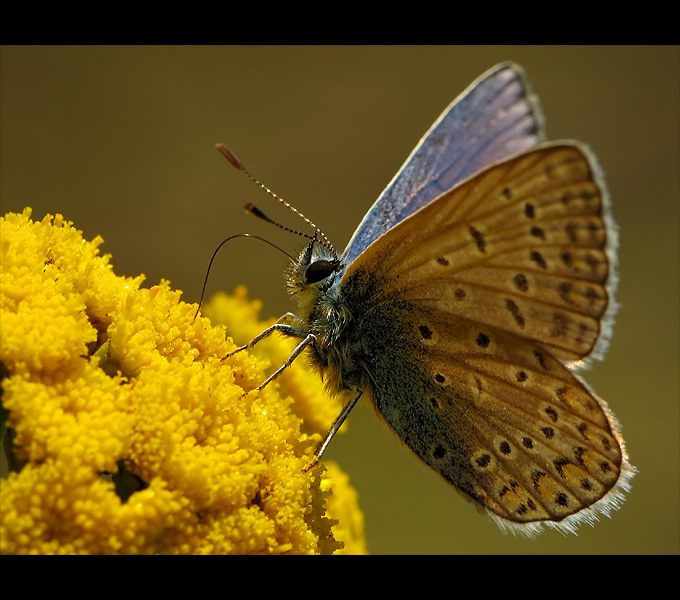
[(312, 275)]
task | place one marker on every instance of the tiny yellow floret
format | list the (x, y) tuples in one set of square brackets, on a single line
[(126, 429)]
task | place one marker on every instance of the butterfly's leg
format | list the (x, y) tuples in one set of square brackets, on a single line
[(309, 339), (289, 317), (281, 328), (339, 420)]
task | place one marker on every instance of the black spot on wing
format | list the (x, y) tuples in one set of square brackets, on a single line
[(478, 236)]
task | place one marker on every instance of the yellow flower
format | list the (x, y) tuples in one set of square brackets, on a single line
[(128, 433)]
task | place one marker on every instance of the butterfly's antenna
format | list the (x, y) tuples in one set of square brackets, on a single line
[(253, 210), (250, 235), (229, 155)]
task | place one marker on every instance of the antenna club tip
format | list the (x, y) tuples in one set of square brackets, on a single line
[(229, 155)]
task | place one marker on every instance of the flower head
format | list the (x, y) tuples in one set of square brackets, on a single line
[(130, 432)]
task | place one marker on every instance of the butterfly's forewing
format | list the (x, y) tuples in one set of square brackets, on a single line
[(524, 246), (489, 292), (493, 119)]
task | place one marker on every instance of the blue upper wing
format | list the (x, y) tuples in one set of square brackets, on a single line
[(495, 117)]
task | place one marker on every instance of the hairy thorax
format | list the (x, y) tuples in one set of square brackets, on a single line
[(339, 355), (323, 311)]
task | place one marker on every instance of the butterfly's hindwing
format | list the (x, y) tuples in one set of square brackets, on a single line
[(497, 417)]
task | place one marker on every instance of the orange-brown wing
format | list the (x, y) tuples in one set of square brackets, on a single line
[(498, 417), (473, 310), (525, 246)]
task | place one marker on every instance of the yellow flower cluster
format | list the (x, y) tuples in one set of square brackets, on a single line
[(126, 431)]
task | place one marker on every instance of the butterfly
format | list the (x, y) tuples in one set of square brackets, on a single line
[(472, 291)]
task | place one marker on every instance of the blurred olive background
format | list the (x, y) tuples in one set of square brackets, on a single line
[(120, 140)]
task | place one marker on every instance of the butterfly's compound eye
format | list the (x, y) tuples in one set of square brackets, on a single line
[(320, 269)]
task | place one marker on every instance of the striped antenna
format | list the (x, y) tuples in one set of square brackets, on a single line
[(236, 163)]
